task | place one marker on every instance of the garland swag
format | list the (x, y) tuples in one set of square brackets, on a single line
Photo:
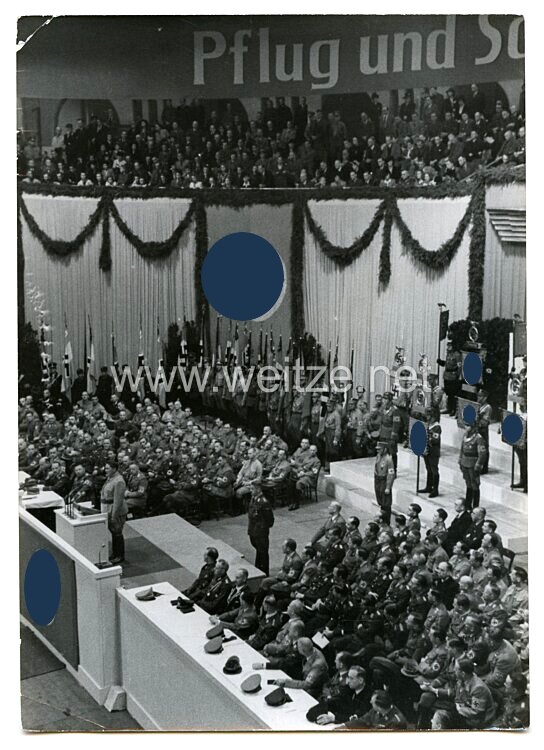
[(105, 209), (345, 255)]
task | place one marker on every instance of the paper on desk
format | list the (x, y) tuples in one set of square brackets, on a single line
[(320, 640)]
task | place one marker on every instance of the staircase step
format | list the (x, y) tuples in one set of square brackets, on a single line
[(353, 481), (494, 486), (452, 435)]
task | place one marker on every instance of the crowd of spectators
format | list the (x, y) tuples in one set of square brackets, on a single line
[(392, 625), (439, 138)]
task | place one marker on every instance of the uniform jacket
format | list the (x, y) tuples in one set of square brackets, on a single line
[(475, 702), (113, 493), (260, 517), (473, 452), (337, 520), (267, 630), (215, 596)]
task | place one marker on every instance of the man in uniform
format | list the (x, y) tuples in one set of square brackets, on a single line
[(306, 474), (484, 418), (384, 476), (471, 460), (390, 426), (295, 419), (260, 521), (214, 597), (452, 371), (82, 489), (205, 575), (331, 432), (521, 452), (314, 419), (437, 395), (218, 479), (136, 492), (354, 423), (404, 404), (279, 472), (249, 477), (432, 458)]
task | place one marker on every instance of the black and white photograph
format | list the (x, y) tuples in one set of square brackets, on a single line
[(272, 372)]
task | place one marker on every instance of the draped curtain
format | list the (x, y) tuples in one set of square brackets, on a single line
[(136, 290), (347, 304), (341, 304), (505, 271)]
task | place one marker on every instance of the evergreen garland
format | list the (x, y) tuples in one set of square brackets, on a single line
[(385, 253), (63, 248), (152, 250), (345, 255), (201, 242), (435, 260), (477, 255), (297, 270)]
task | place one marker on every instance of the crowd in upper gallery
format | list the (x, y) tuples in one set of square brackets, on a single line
[(435, 139)]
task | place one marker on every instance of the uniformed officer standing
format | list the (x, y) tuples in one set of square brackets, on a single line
[(390, 425), (471, 460), (384, 476), (112, 502), (436, 397), (332, 432), (295, 419), (432, 457), (355, 423), (452, 371), (484, 418), (260, 519)]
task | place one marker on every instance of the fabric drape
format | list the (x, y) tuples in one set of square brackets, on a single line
[(505, 265), (350, 305), (76, 290)]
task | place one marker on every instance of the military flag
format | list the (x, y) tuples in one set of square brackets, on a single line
[(66, 385), (91, 364)]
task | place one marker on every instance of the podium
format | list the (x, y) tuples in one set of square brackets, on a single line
[(87, 534)]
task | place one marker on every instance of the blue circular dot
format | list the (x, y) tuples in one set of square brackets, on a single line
[(472, 368), (469, 414), (42, 587), (243, 276), (418, 438), (512, 428)]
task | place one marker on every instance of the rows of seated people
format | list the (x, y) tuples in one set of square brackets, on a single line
[(388, 627), (171, 462), (416, 626), (440, 138)]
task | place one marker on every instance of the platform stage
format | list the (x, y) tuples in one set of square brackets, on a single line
[(354, 481)]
